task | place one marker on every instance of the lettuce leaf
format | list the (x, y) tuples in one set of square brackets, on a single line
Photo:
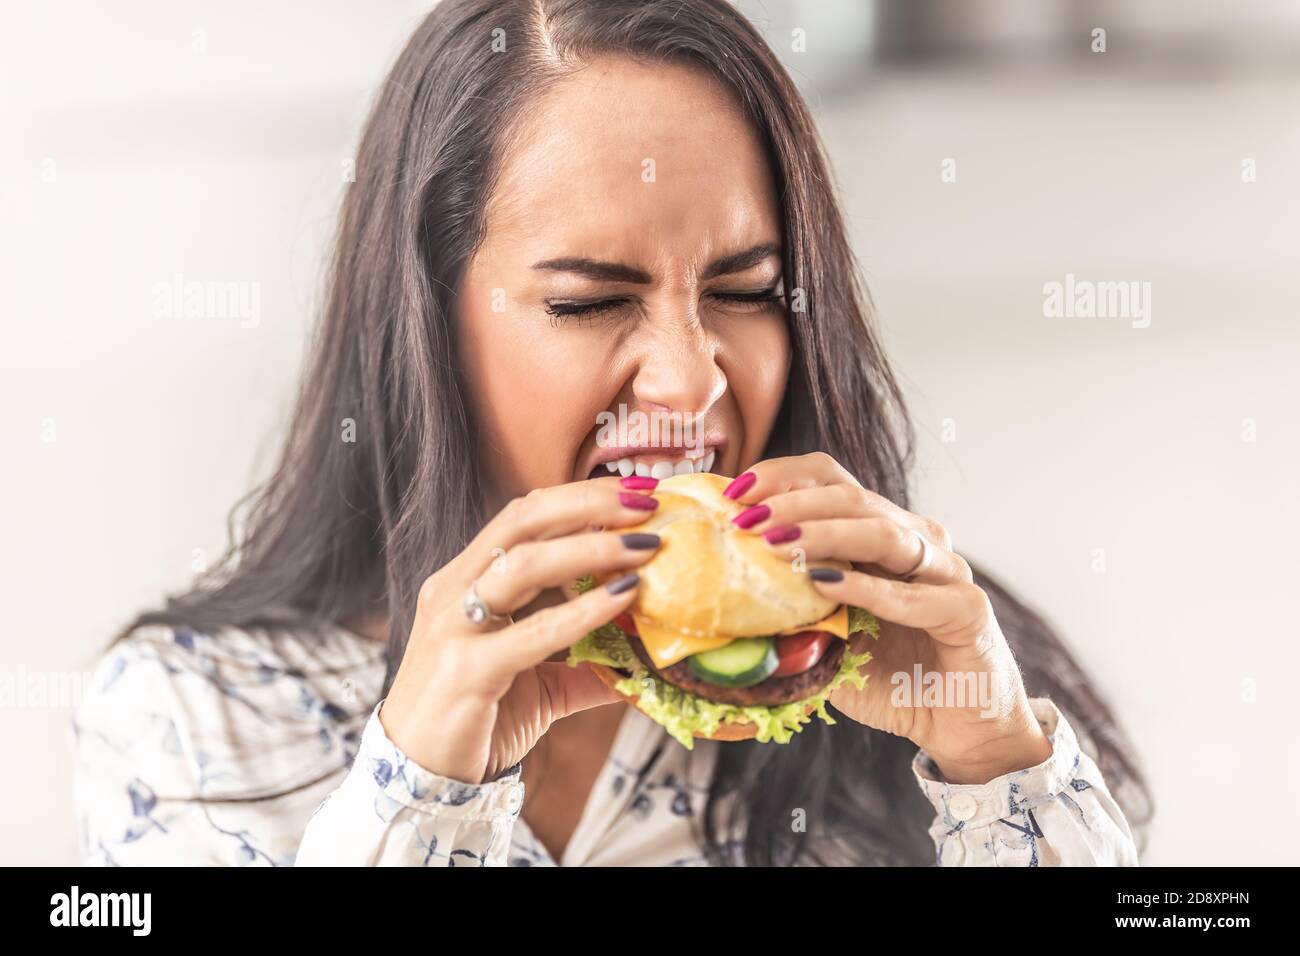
[(861, 620), (605, 645), (683, 714)]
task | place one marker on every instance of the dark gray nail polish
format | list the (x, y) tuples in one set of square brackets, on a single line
[(640, 542), (827, 575), (625, 583)]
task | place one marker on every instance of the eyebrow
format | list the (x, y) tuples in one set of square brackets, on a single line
[(740, 261), (618, 272)]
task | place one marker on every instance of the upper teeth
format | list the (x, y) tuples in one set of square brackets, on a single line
[(662, 469)]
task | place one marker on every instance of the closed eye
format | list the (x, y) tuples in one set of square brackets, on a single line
[(560, 312), (759, 296)]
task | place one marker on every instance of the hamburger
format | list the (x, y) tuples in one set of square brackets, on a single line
[(726, 640)]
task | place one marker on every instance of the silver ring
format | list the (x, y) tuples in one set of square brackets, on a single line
[(927, 554), (477, 610)]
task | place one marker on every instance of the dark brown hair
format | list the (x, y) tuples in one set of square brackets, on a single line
[(344, 529)]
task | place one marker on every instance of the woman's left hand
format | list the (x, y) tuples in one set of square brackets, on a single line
[(937, 621)]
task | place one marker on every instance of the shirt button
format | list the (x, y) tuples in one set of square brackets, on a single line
[(516, 797), (963, 806)]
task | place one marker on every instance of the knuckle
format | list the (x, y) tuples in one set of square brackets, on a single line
[(606, 545), (591, 496), (936, 532), (906, 597), (541, 627), (499, 560), (916, 595), (601, 499), (880, 526), (827, 465), (521, 555), (513, 512), (976, 602), (427, 597), (862, 500), (900, 534), (895, 536), (882, 533), (963, 568), (523, 506)]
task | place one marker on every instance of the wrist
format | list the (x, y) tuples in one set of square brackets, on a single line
[(1018, 748), (410, 735)]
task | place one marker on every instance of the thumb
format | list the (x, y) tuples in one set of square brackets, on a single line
[(574, 689)]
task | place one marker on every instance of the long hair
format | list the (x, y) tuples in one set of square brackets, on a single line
[(344, 529)]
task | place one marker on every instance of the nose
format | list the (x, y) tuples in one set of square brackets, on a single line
[(679, 371)]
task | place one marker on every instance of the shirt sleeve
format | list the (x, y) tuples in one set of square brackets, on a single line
[(1058, 813), (190, 752), (137, 775), (390, 811)]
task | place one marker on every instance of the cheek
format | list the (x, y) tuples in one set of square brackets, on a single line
[(518, 366), (755, 356)]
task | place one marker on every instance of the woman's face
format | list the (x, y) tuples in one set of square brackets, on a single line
[(631, 257)]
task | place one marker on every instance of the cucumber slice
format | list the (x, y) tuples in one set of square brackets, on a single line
[(742, 663)]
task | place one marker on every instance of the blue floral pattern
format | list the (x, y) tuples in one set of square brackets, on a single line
[(258, 748), (1056, 814)]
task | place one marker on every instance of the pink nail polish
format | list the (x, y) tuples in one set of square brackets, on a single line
[(637, 502), (752, 516), (639, 483), (741, 485), (781, 534)]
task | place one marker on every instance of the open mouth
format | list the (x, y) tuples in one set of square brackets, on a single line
[(661, 464)]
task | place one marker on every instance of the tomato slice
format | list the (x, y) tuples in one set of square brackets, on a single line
[(626, 625), (797, 653)]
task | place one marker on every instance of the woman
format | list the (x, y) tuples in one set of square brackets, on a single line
[(564, 207)]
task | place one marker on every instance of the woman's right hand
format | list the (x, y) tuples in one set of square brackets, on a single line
[(468, 702)]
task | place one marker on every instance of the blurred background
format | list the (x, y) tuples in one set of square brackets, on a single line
[(1133, 479)]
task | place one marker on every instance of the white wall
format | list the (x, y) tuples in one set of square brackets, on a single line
[(1080, 434), (222, 163), (217, 155)]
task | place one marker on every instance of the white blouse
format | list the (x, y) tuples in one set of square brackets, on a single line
[(187, 745)]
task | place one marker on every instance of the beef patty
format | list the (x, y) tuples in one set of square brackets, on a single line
[(770, 693)]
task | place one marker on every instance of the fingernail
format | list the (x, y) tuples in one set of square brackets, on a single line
[(741, 485), (625, 583), (640, 542), (639, 483), (637, 502), (752, 516), (826, 575), (781, 534)]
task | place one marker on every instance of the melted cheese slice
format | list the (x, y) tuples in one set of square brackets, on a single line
[(667, 646), (837, 623)]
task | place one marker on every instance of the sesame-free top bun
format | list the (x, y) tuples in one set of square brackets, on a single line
[(710, 578)]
